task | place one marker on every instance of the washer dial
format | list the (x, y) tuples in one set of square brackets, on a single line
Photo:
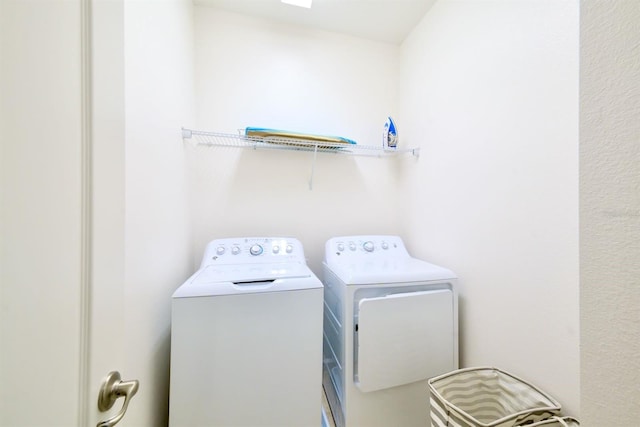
[(256, 250)]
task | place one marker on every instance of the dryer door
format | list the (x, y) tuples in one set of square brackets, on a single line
[(403, 338)]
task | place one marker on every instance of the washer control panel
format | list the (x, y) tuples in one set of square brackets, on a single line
[(253, 250)]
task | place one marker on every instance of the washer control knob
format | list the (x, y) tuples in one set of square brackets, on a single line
[(220, 250), (385, 245), (368, 246), (341, 247), (255, 250), (276, 249), (289, 249), (235, 250), (352, 246)]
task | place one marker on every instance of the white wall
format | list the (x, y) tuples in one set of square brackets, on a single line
[(489, 91), (159, 99), (252, 72), (610, 212)]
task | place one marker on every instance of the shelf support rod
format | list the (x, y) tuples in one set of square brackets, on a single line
[(313, 166)]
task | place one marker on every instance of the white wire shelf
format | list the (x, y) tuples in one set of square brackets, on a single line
[(216, 139)]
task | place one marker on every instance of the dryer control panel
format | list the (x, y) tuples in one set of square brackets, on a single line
[(364, 248), (253, 250)]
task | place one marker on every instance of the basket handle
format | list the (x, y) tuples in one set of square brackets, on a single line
[(560, 420)]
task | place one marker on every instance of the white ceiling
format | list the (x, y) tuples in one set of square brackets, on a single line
[(382, 20)]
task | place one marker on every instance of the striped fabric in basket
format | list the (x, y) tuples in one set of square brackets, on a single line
[(487, 397)]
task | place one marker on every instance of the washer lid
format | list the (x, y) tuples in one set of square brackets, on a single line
[(239, 273), (234, 279), (378, 271)]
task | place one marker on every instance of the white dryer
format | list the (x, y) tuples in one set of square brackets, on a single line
[(390, 323), (246, 338)]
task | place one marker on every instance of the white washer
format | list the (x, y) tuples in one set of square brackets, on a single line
[(390, 323), (246, 338)]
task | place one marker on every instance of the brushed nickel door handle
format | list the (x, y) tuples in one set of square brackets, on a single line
[(113, 388)]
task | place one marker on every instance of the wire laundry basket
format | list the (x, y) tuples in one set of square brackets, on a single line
[(487, 397), (556, 422)]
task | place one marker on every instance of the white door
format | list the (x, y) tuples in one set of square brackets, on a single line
[(61, 217)]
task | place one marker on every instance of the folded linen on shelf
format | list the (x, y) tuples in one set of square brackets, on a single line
[(285, 134)]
